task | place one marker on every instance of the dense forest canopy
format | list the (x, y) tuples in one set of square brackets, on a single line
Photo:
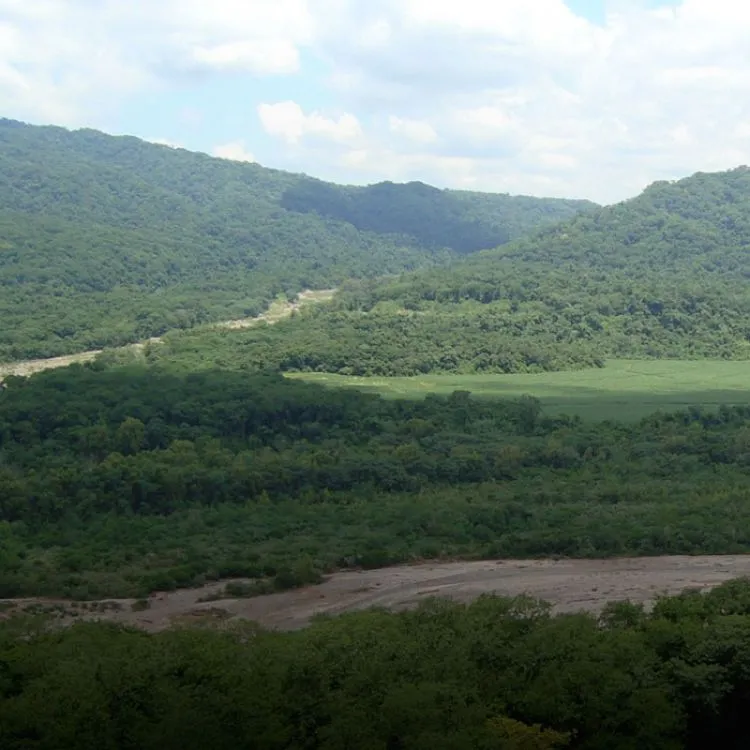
[(121, 481), (105, 240), (498, 674), (462, 221), (664, 275)]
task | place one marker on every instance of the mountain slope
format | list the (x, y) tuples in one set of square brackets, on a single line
[(460, 220), (662, 275), (105, 239)]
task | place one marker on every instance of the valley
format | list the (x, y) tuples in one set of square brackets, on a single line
[(500, 442), (494, 376), (106, 241)]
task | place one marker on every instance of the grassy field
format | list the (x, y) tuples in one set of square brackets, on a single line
[(624, 389)]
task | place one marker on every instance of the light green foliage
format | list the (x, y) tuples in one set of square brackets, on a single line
[(625, 390)]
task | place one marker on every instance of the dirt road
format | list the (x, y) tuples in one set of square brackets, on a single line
[(570, 585), (278, 311)]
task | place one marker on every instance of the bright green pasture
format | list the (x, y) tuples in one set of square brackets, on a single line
[(624, 389)]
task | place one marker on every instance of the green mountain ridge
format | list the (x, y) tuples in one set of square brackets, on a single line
[(106, 240), (463, 221), (663, 275)]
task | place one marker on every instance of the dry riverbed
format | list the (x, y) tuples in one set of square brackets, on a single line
[(569, 585)]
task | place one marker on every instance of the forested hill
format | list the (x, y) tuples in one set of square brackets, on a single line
[(662, 275), (460, 220), (105, 239), (700, 223)]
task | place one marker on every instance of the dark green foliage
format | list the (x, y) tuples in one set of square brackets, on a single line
[(460, 220), (664, 275), (107, 240), (125, 481), (497, 673)]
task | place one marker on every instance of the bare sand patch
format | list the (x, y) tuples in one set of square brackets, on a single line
[(569, 585)]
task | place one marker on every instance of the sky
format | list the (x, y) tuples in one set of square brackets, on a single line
[(578, 98)]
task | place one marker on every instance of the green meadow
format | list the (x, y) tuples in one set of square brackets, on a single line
[(623, 390)]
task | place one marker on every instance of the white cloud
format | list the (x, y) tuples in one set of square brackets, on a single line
[(357, 158), (511, 95), (486, 123), (65, 60), (413, 130), (258, 56), (234, 151), (287, 120), (528, 97)]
